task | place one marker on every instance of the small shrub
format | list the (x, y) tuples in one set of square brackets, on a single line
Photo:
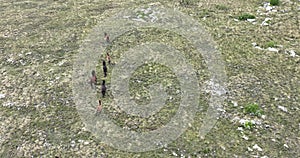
[(253, 109), (274, 2), (246, 16)]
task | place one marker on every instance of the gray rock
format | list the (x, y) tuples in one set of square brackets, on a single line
[(273, 50), (282, 108), (256, 147), (2, 96)]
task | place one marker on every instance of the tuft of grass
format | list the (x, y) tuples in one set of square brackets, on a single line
[(222, 7), (142, 15), (187, 2), (253, 109), (246, 16), (206, 150), (271, 44), (274, 2), (249, 125)]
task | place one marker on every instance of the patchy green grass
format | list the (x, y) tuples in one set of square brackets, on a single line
[(271, 44), (246, 16), (274, 2), (249, 125), (253, 109), (39, 41)]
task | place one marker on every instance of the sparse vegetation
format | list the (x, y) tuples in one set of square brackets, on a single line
[(39, 41), (246, 16), (274, 2), (253, 109), (249, 125), (187, 2), (271, 44), (222, 7)]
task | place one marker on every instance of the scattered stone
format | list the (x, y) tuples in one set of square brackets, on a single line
[(240, 129), (61, 63), (254, 44), (257, 122), (28, 53), (138, 19), (266, 22), (269, 8), (126, 17), (282, 108), (257, 47), (235, 104), (214, 88), (256, 147), (249, 149), (86, 143), (8, 104), (221, 110), (154, 4), (245, 137), (243, 121), (251, 20), (292, 53), (223, 147), (174, 154), (236, 118), (273, 49), (2, 96), (10, 60), (274, 140)]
